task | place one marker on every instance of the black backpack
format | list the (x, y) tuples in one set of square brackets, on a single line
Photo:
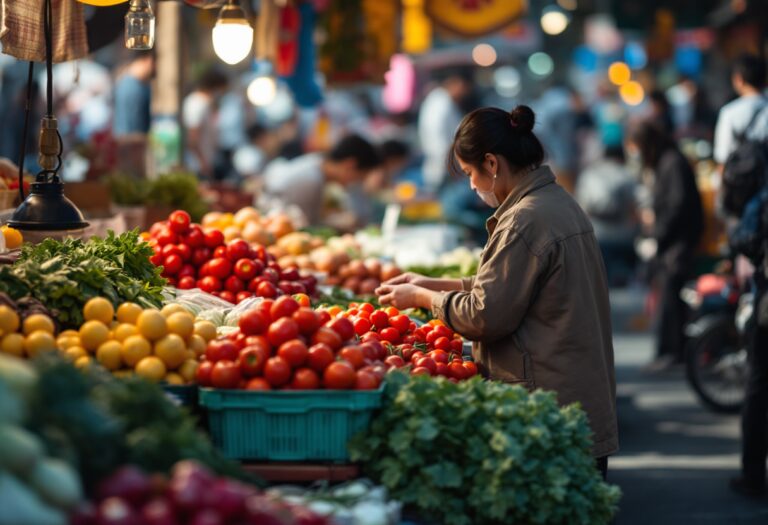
[(744, 172)]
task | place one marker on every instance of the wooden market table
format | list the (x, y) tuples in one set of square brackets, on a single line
[(302, 472)]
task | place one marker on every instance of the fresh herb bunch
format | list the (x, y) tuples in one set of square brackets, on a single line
[(484, 453), (63, 275), (178, 190), (127, 190)]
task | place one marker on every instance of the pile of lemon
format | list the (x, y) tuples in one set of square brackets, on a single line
[(158, 345), (28, 338)]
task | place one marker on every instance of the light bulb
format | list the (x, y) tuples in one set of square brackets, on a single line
[(139, 26), (232, 35), (262, 91)]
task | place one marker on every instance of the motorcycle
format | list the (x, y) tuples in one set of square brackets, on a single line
[(717, 335)]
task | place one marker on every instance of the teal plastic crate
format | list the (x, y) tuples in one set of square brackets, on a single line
[(308, 425)]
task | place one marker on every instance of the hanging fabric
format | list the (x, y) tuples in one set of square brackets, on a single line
[(304, 87), (288, 41)]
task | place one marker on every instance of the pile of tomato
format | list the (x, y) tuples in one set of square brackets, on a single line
[(193, 257)]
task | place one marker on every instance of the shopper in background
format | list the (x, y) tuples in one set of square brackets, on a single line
[(661, 111), (302, 181), (538, 306), (200, 116), (133, 95), (748, 79), (439, 116), (677, 225)]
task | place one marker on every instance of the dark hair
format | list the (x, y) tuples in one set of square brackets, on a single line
[(751, 68), (356, 147), (212, 79), (652, 140), (614, 152), (394, 149), (493, 130)]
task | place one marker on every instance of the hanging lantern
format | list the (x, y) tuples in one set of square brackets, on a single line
[(139, 26), (233, 34)]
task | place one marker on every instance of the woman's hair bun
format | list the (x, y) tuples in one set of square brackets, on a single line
[(523, 118)]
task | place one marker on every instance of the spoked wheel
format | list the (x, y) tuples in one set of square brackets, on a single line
[(716, 365)]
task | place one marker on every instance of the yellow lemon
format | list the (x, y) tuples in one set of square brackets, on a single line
[(99, 309), (69, 333), (39, 341), (134, 349), (172, 350), (188, 369), (9, 320), (151, 368), (38, 322), (108, 354), (197, 344), (13, 237), (181, 324), (124, 331), (206, 330), (151, 324), (83, 362), (172, 378), (170, 309), (13, 344), (128, 312), (75, 352), (93, 334), (64, 342)]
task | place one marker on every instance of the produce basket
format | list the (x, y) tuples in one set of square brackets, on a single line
[(308, 425)]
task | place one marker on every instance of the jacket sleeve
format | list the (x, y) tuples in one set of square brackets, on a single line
[(748, 236), (669, 202), (500, 293)]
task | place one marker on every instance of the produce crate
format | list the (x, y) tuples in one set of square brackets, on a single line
[(309, 425)]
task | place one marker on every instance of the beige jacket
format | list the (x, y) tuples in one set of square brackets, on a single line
[(538, 308)]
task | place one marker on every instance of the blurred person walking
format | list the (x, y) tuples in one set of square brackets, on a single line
[(200, 118), (133, 95), (676, 229)]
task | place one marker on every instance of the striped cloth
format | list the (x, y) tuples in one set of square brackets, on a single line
[(22, 36)]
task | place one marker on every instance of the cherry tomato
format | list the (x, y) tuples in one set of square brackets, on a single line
[(245, 269), (395, 361), (324, 316), (252, 360), (366, 381), (343, 327), (253, 322), (209, 284), (418, 354), (442, 343), (420, 371), (303, 300), (172, 264), (277, 371), (156, 259), (282, 330), (457, 370), (305, 379), (443, 370), (258, 383), (470, 367), (327, 336), (179, 221), (237, 250), (366, 307), (186, 283), (213, 238), (184, 251), (242, 296), (220, 268), (270, 275), (266, 289), (353, 355), (339, 375), (443, 331), (203, 373), (319, 357), (284, 307), (380, 319), (228, 296), (432, 337), (371, 336), (392, 311), (440, 356), (166, 236), (225, 374), (187, 270), (362, 326), (307, 320), (220, 252), (370, 352), (400, 322), (294, 352), (195, 238), (391, 335), (170, 249), (289, 274), (234, 285), (457, 346), (428, 363)]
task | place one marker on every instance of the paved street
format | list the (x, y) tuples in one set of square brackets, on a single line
[(676, 457)]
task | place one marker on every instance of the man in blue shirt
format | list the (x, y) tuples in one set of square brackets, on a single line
[(133, 94)]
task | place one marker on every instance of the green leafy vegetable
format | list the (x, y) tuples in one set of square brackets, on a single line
[(484, 453)]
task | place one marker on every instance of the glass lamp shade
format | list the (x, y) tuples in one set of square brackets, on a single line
[(46, 208), (232, 35), (140, 26)]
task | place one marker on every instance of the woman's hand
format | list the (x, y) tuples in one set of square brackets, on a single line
[(408, 278), (403, 296)]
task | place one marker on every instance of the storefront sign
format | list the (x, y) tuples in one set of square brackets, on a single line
[(474, 17)]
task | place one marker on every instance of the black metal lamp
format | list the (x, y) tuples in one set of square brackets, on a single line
[(46, 208)]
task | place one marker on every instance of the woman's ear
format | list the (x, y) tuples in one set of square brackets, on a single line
[(491, 163)]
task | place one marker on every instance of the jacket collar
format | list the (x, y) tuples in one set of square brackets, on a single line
[(528, 183)]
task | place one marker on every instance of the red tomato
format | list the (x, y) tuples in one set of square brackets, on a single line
[(225, 374), (204, 270), (409, 339), (228, 296), (289, 274), (391, 335), (172, 264), (203, 374), (213, 238), (442, 343), (170, 249), (221, 349), (265, 307), (266, 289), (420, 371), (195, 238), (166, 236), (320, 356), (392, 311), (470, 367), (343, 327), (234, 285), (443, 370), (366, 307), (252, 360), (294, 352), (258, 252), (253, 322), (171, 281), (395, 361), (371, 336), (428, 363), (323, 316), (362, 327), (187, 271), (270, 275), (186, 283), (157, 259), (364, 314), (303, 300), (284, 307), (307, 320), (443, 331), (237, 250), (439, 356), (327, 336), (369, 351), (379, 319), (220, 252), (156, 227), (282, 330), (305, 379), (366, 381), (418, 354), (353, 355), (412, 326), (242, 296), (400, 322), (220, 268), (184, 251), (258, 340), (245, 269), (277, 371), (457, 346), (432, 337), (258, 383), (339, 375), (179, 221), (209, 284), (457, 370)]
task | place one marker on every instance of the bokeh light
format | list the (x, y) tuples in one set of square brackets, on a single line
[(507, 81), (484, 55), (619, 73), (632, 93), (541, 64), (554, 21), (262, 91)]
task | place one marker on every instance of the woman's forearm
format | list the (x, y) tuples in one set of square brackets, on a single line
[(442, 285)]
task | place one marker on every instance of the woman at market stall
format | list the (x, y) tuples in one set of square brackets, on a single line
[(537, 309)]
